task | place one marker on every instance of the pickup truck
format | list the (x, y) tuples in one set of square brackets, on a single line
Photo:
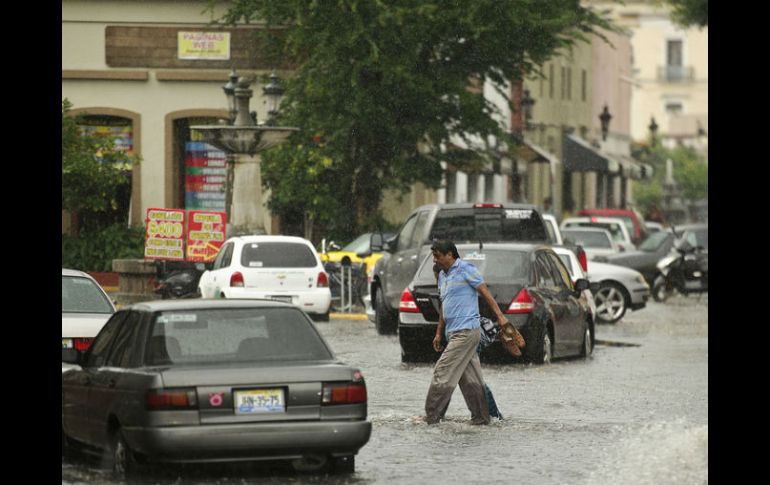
[(460, 223)]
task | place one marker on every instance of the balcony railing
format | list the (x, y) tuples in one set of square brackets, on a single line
[(676, 74)]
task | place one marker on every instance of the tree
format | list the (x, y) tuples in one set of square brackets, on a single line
[(690, 12), (387, 83), (91, 170)]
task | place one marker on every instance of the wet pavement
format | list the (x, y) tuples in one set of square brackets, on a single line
[(636, 412)]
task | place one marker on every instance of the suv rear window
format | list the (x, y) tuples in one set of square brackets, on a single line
[(277, 255), (495, 265), (488, 224)]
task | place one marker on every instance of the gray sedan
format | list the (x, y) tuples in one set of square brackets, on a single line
[(213, 381)]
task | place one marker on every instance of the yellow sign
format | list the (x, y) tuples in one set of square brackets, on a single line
[(203, 45)]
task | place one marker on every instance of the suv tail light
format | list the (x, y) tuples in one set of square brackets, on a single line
[(237, 279), (82, 344), (165, 399), (323, 280), (582, 258), (407, 304), (522, 303), (345, 392)]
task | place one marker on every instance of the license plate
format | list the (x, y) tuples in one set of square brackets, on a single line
[(260, 401), (66, 343), (285, 299)]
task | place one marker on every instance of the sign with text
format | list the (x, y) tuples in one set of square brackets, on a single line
[(164, 234), (205, 235), (203, 45)]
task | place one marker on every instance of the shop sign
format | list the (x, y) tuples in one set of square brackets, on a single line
[(203, 46), (164, 234), (205, 235)]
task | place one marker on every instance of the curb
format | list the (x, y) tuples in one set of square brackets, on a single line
[(348, 316)]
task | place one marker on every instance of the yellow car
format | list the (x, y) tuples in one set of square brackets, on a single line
[(351, 250)]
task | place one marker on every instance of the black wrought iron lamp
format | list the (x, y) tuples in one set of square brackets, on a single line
[(605, 118), (527, 102), (273, 93), (653, 131)]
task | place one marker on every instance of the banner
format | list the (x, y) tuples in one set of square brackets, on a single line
[(203, 45), (205, 235), (205, 177), (164, 234)]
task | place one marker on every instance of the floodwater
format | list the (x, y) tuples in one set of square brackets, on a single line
[(636, 413)]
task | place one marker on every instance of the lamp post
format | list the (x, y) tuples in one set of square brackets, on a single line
[(605, 118), (653, 130), (244, 136), (526, 104), (273, 93)]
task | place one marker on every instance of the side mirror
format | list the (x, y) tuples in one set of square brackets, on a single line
[(70, 356), (376, 242), (582, 284)]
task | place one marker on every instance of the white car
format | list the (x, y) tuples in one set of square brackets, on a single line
[(616, 227), (595, 242), (85, 308), (281, 268), (619, 288), (552, 225)]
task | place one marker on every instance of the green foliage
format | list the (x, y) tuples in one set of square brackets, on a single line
[(690, 12), (94, 250), (387, 85), (91, 168)]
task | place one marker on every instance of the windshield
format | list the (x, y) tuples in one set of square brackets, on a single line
[(653, 242), (495, 265), (588, 239), (359, 244), (82, 295), (234, 335)]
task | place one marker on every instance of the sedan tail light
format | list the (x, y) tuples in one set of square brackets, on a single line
[(82, 344), (166, 399), (582, 258), (345, 392), (237, 280), (522, 303), (407, 304), (323, 280)]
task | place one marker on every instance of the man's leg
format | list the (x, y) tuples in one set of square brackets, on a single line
[(448, 370), (472, 386)]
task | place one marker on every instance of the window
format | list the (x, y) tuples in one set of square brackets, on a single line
[(674, 108), (569, 83), (418, 237), (224, 256), (125, 341), (277, 255), (81, 295), (561, 274), (545, 277), (97, 354), (583, 85), (405, 235), (674, 53), (550, 81), (563, 82)]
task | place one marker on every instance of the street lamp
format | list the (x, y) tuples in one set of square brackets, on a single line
[(605, 118), (244, 136), (526, 104), (273, 93), (653, 130)]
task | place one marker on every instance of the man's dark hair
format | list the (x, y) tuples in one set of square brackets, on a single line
[(445, 246)]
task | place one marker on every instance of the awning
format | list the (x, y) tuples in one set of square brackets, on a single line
[(532, 152), (579, 156), (629, 167)]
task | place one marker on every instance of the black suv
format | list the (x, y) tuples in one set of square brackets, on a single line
[(460, 223)]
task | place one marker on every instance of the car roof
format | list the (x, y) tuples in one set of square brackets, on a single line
[(74, 272), (469, 205), (589, 229), (606, 219), (270, 238), (205, 304), (528, 247)]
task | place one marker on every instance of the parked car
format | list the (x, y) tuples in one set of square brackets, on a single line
[(532, 288), (653, 227), (633, 220), (85, 308), (552, 225), (197, 381), (596, 242), (460, 223), (281, 268), (618, 289), (358, 251), (615, 227)]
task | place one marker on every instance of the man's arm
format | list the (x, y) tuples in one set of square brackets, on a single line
[(439, 330), (484, 291)]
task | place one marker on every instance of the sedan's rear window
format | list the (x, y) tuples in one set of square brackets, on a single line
[(81, 295), (588, 239), (489, 224), (277, 255), (234, 335), (495, 265)]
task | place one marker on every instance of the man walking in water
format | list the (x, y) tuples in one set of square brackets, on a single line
[(459, 363)]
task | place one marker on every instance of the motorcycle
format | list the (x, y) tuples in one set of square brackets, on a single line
[(684, 270), (179, 283)]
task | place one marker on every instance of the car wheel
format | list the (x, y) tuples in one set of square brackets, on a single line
[(542, 349), (611, 303), (384, 322), (123, 461), (320, 317), (588, 345), (343, 464), (660, 291)]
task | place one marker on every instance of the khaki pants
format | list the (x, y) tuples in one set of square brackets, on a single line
[(458, 364)]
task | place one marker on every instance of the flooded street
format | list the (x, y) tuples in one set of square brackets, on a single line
[(634, 413)]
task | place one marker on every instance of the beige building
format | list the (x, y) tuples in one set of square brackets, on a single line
[(146, 71)]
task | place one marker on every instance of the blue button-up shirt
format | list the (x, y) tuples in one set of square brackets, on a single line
[(459, 299)]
